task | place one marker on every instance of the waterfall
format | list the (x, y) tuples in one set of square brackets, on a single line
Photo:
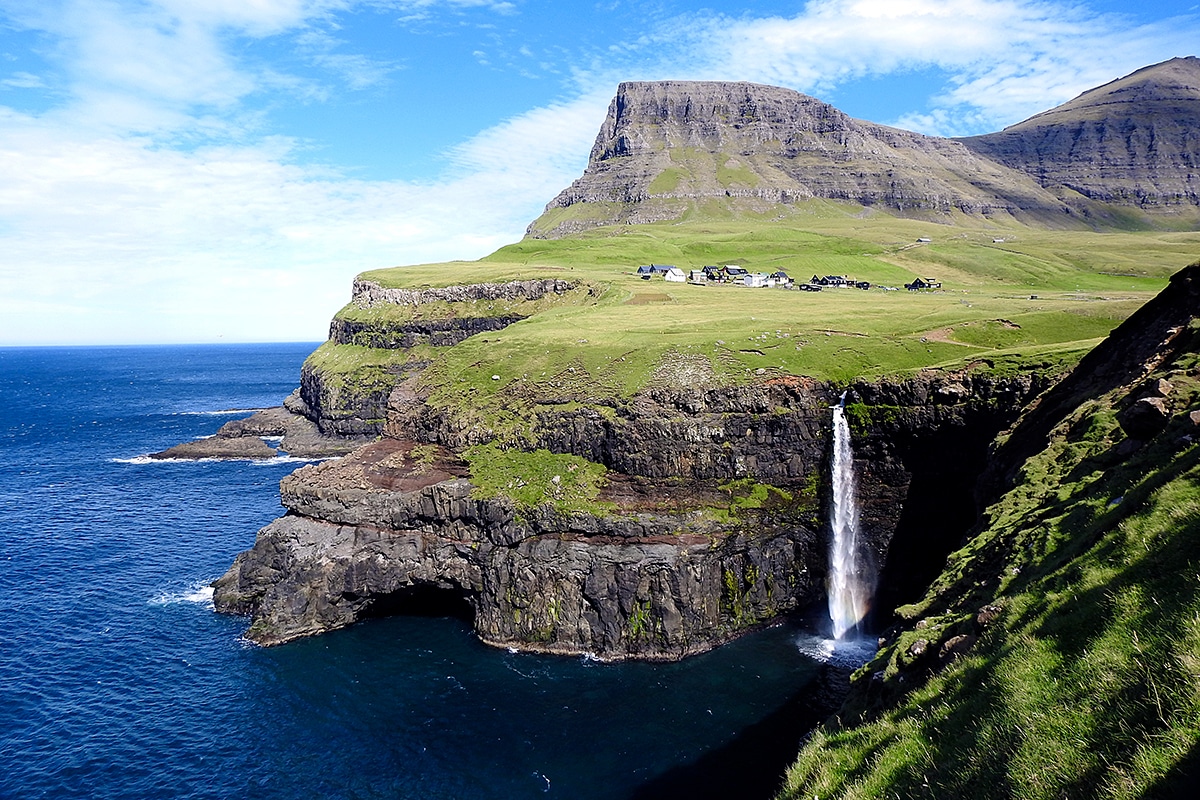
[(849, 583)]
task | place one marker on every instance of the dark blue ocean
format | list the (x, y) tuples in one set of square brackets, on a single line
[(117, 679)]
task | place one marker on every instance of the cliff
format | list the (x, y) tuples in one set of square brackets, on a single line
[(653, 525), (1120, 155)]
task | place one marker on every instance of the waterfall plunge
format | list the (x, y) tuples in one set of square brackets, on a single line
[(849, 584)]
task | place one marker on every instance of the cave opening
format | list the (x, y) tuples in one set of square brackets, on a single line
[(421, 600)]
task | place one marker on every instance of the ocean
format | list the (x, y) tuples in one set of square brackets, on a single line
[(118, 680)]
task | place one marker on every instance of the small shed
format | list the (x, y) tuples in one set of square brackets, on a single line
[(923, 283), (675, 275)]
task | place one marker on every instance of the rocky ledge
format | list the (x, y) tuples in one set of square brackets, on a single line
[(383, 528), (246, 438), (673, 565)]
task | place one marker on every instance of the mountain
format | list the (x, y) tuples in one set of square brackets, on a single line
[(1135, 141), (671, 149)]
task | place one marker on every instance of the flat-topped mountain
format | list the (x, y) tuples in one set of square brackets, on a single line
[(671, 148), (1135, 141)]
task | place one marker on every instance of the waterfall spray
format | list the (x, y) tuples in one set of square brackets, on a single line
[(849, 589)]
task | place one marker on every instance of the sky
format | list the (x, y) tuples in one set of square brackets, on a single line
[(220, 170)]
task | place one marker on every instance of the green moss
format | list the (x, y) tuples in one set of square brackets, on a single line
[(568, 483), (640, 623)]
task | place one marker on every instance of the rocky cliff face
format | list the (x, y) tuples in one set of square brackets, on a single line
[(666, 145), (669, 147), (665, 572), (1135, 141)]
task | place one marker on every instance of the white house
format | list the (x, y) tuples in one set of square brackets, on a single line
[(675, 275), (758, 280)]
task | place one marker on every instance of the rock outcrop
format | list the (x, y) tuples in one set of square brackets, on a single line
[(296, 435)]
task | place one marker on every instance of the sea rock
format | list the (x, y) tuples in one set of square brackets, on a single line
[(224, 447)]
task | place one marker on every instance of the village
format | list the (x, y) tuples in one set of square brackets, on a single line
[(734, 275)]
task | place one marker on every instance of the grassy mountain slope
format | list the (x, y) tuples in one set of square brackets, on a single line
[(1058, 654)]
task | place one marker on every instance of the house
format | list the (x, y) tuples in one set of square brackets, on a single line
[(864, 285), (757, 280), (644, 272), (781, 278), (714, 274), (675, 275), (661, 269), (698, 277), (923, 283), (735, 273)]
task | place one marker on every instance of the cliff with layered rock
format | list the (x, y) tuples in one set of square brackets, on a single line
[(1120, 155), (1133, 142)]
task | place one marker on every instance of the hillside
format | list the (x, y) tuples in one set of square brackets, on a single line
[(1057, 654), (1121, 156), (1135, 141)]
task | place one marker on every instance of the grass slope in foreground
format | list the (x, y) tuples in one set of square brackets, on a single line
[(1085, 683)]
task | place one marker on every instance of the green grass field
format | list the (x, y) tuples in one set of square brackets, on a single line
[(1036, 298)]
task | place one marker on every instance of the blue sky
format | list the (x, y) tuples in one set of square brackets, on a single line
[(219, 170)]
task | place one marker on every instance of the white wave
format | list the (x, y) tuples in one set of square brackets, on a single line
[(197, 593), (839, 652), (143, 460), (225, 412), (266, 462)]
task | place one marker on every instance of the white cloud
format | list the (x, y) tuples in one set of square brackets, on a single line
[(24, 80), (1002, 60)]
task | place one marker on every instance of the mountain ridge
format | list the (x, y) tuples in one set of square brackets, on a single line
[(669, 148)]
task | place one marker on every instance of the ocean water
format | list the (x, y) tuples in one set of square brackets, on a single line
[(117, 679)]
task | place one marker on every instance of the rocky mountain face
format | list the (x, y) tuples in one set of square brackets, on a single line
[(1134, 142), (669, 147), (673, 568)]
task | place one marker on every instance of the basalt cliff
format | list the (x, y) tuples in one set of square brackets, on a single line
[(1125, 154)]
